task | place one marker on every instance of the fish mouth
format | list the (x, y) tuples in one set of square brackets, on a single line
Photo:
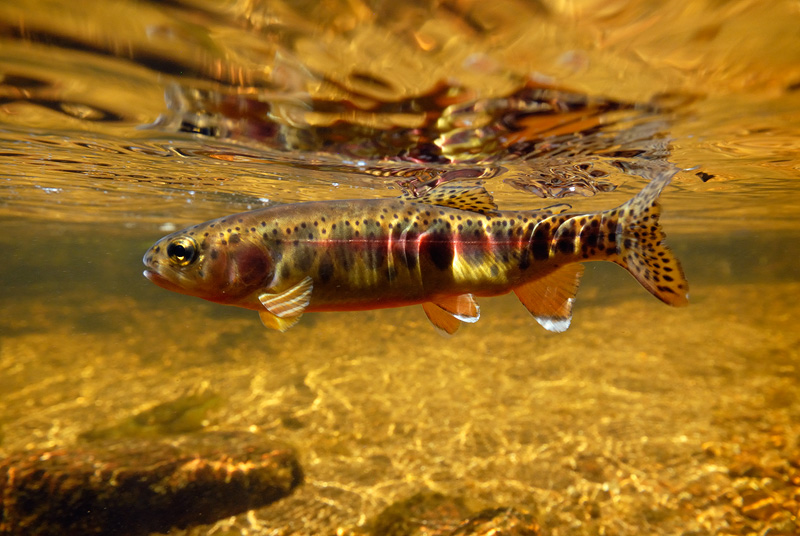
[(161, 281)]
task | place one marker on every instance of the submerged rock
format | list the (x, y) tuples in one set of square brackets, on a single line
[(434, 514), (136, 487)]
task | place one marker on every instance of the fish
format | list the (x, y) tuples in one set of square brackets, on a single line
[(440, 250)]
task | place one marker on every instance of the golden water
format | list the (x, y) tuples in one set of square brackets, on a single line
[(640, 419)]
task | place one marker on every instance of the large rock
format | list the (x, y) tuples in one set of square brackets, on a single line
[(132, 487)]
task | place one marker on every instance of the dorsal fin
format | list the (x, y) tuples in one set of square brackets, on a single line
[(550, 298), (558, 208), (474, 198)]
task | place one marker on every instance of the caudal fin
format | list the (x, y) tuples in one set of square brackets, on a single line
[(641, 247)]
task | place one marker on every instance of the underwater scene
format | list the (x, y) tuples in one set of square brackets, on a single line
[(367, 268)]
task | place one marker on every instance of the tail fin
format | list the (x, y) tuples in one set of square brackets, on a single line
[(641, 245)]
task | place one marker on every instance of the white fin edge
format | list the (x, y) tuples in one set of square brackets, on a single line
[(556, 325)]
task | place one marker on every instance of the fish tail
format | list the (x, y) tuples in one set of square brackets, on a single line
[(640, 244)]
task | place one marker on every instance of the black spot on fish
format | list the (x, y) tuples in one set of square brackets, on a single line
[(524, 261), (235, 239), (286, 272), (540, 243), (440, 250), (304, 260), (326, 269), (214, 253)]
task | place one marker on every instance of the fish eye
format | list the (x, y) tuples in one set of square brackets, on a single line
[(182, 251)]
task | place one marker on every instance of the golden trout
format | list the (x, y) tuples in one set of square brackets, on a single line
[(439, 250)]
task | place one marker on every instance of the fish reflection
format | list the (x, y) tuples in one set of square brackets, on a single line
[(439, 250)]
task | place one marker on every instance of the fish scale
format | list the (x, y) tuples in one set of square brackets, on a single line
[(439, 250)]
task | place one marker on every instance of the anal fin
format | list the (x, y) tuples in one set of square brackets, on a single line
[(549, 299)]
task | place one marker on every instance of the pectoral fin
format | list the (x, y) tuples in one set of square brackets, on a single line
[(274, 322), (550, 298), (287, 304)]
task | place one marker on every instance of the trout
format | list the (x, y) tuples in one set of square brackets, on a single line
[(440, 250)]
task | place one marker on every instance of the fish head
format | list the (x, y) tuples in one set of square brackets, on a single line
[(221, 266)]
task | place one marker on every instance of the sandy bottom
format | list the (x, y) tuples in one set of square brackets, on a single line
[(641, 419)]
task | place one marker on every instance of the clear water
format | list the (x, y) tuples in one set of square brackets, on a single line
[(120, 122)]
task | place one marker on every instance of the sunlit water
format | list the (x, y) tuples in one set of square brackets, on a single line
[(120, 122)]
